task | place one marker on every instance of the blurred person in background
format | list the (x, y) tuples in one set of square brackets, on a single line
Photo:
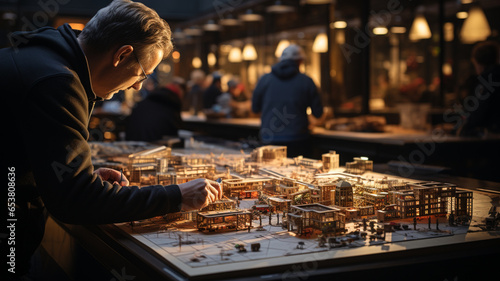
[(211, 94), (193, 99), (282, 97), (53, 77), (158, 115), (481, 114)]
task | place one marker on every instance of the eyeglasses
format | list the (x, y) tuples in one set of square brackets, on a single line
[(143, 72)]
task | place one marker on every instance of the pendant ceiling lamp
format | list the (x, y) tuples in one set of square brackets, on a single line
[(249, 53), (234, 55), (320, 44), (475, 27), (420, 28), (281, 46)]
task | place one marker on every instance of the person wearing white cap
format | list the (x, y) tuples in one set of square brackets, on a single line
[(282, 98)]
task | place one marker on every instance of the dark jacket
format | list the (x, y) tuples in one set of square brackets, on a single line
[(211, 94), (481, 106), (158, 115), (283, 97), (50, 99)]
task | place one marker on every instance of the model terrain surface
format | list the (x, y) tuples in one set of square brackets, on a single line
[(276, 209)]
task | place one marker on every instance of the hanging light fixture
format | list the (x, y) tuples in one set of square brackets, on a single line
[(196, 62), (419, 28), (279, 8), (380, 30), (229, 20), (211, 26), (249, 53), (340, 24), (211, 59), (320, 44), (234, 55), (476, 27), (281, 46), (193, 31), (398, 29), (250, 16)]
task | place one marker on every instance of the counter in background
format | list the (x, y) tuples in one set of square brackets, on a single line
[(464, 156)]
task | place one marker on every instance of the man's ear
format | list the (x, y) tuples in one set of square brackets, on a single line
[(122, 54)]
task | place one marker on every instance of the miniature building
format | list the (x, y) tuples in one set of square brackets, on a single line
[(244, 188), (280, 204), (185, 173), (388, 212), (287, 186), (307, 162), (359, 165), (220, 205), (406, 204), (428, 199), (343, 194), (144, 166), (315, 216), (462, 203), (330, 161), (378, 201), (269, 153), (214, 221), (327, 193), (432, 197)]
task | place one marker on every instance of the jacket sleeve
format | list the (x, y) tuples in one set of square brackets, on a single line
[(54, 117)]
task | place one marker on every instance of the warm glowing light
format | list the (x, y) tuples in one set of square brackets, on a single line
[(398, 29), (448, 31), (250, 16), (281, 46), (196, 62), (475, 27), (76, 26), (380, 30), (234, 55), (211, 59), (339, 24), (176, 56), (320, 44), (249, 52), (420, 29), (340, 36), (462, 15)]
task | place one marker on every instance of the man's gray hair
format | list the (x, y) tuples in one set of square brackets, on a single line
[(124, 22)]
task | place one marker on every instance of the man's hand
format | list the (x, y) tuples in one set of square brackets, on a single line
[(112, 176), (198, 193)]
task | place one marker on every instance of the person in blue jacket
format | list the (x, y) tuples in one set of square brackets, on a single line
[(282, 97), (52, 78)]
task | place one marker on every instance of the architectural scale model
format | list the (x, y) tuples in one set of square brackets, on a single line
[(274, 206)]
